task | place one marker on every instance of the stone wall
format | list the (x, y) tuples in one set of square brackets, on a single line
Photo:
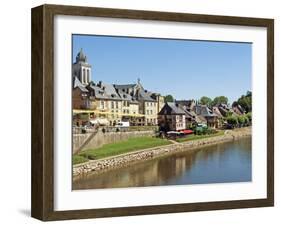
[(111, 137), (79, 140), (97, 166)]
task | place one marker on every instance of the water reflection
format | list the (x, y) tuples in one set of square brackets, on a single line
[(226, 162)]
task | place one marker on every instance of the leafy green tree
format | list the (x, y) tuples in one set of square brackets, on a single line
[(220, 100), (245, 101), (232, 120), (169, 98), (249, 116), (206, 101), (241, 119), (229, 113), (246, 120)]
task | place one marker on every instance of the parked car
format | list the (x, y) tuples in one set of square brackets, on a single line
[(122, 124)]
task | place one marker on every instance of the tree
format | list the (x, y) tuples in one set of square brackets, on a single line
[(249, 116), (241, 120), (245, 101), (246, 120), (206, 101), (220, 100), (232, 120), (169, 98), (229, 113)]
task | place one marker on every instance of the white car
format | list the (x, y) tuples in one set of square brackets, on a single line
[(122, 124)]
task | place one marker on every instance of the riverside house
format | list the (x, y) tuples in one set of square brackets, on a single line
[(237, 109), (192, 118), (79, 95), (111, 103), (200, 114), (171, 117), (211, 117), (106, 102), (147, 105)]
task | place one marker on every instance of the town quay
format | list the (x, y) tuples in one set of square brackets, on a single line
[(114, 162)]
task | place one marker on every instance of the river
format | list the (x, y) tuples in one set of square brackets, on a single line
[(220, 163)]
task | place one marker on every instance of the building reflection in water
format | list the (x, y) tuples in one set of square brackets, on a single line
[(226, 162)]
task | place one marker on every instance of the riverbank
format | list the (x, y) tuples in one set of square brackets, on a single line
[(119, 161), (113, 149)]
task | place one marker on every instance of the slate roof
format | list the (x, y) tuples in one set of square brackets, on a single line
[(224, 106), (186, 103), (111, 91), (170, 108), (125, 86), (204, 111), (216, 111), (145, 96), (189, 114), (78, 84), (196, 118), (125, 96), (115, 92), (141, 94), (238, 109), (105, 91)]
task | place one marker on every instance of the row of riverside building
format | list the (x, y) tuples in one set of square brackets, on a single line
[(113, 102), (110, 104)]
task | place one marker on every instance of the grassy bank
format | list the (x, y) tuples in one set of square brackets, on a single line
[(107, 150), (79, 159), (197, 137)]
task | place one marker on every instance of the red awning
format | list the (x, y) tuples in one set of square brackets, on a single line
[(187, 131)]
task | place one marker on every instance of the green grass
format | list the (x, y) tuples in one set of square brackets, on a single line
[(197, 137), (79, 159), (132, 144)]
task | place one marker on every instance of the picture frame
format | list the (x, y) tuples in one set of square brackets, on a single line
[(43, 82)]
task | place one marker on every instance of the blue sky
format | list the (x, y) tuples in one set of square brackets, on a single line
[(185, 69)]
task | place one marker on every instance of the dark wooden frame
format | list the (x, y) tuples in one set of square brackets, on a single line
[(42, 203)]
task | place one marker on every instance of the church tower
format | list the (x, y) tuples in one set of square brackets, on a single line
[(81, 68)]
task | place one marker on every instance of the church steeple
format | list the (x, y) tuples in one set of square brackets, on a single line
[(81, 68), (81, 57)]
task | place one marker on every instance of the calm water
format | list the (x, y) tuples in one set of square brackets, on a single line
[(227, 162)]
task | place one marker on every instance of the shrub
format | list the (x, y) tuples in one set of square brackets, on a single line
[(241, 119), (232, 120), (211, 131), (249, 116), (246, 120)]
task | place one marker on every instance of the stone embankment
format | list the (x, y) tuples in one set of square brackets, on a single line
[(101, 138), (98, 166)]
